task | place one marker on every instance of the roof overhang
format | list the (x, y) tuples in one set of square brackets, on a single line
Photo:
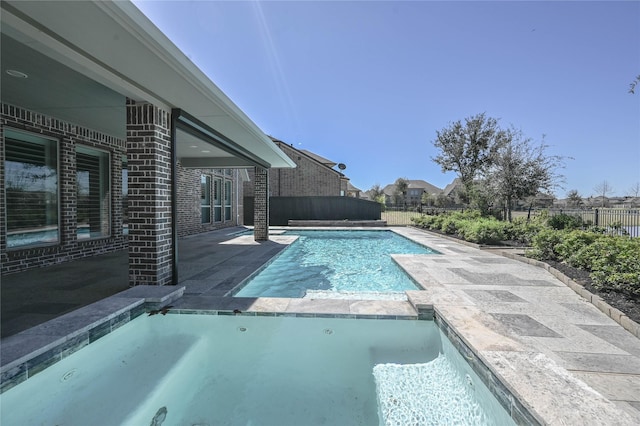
[(117, 49)]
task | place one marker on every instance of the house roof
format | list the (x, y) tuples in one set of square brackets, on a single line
[(99, 52), (414, 184), (319, 158), (312, 156), (452, 186)]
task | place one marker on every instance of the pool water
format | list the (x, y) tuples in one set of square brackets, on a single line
[(243, 370), (349, 261)]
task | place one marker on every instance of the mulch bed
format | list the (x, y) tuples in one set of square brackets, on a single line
[(626, 304)]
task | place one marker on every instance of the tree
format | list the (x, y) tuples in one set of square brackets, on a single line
[(634, 83), (634, 191), (443, 201), (574, 199), (375, 191), (468, 149), (603, 189), (377, 194), (401, 189), (522, 169), (427, 199)]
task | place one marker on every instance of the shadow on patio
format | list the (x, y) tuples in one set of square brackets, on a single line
[(209, 264)]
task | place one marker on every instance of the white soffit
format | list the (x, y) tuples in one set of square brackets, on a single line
[(114, 43)]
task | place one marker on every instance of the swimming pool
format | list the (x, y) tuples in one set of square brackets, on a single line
[(349, 261), (243, 370)]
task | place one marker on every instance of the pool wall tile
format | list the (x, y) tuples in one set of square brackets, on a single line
[(99, 331), (519, 414), (120, 320), (30, 352), (13, 377)]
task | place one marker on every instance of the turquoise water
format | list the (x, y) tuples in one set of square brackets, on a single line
[(242, 370), (353, 261)]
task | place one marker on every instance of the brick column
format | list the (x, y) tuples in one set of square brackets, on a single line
[(149, 160), (261, 205)]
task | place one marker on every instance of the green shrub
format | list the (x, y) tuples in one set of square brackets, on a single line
[(484, 231), (572, 248), (449, 225), (564, 221), (615, 264), (544, 244), (523, 231)]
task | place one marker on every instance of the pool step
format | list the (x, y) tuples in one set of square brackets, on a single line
[(338, 223), (426, 394), (355, 295)]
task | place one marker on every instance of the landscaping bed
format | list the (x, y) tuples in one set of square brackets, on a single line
[(626, 304)]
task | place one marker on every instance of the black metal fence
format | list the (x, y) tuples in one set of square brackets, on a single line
[(615, 221), (283, 209)]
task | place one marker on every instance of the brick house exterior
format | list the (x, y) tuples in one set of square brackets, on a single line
[(312, 176), (189, 194), (98, 154)]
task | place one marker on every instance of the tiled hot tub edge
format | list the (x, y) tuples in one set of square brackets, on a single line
[(27, 353)]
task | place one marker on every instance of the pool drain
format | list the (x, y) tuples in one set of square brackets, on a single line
[(242, 329), (68, 375), (328, 331)]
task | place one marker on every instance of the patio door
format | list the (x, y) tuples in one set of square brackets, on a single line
[(227, 200), (217, 199)]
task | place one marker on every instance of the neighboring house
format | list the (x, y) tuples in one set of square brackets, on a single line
[(111, 139), (452, 189), (539, 201), (413, 197), (313, 176), (352, 191)]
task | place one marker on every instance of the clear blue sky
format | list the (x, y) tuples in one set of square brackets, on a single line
[(368, 83)]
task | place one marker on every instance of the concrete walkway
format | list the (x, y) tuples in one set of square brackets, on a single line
[(545, 341)]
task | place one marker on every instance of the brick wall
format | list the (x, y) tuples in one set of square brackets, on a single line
[(68, 136), (309, 178), (149, 160), (261, 204), (189, 205)]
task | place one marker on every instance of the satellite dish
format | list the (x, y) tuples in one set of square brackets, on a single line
[(342, 166)]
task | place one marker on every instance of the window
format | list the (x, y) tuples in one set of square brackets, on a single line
[(205, 198), (31, 177), (227, 200), (217, 200), (93, 193)]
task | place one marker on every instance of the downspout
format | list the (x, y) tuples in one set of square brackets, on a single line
[(174, 198), (237, 180)]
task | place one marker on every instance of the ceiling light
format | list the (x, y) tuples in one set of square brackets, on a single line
[(205, 151), (17, 74), (193, 146)]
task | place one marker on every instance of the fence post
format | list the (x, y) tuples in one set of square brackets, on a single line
[(596, 216)]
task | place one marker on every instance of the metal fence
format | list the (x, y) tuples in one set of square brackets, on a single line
[(615, 221)]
